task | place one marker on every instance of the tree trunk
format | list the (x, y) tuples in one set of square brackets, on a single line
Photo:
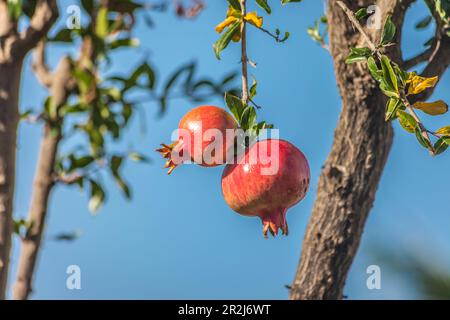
[(13, 48), (350, 175), (9, 116), (43, 184)]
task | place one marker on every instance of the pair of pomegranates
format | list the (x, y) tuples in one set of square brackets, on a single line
[(266, 180)]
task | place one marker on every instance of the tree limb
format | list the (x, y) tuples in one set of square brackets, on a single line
[(45, 15), (40, 67), (61, 87)]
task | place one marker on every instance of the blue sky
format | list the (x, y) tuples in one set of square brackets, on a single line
[(178, 239)]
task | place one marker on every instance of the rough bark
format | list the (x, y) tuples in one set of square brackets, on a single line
[(10, 70), (9, 91), (351, 174)]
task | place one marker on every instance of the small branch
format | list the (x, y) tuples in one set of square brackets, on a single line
[(422, 57), (422, 128), (358, 26), (436, 66), (244, 58), (45, 15), (40, 67)]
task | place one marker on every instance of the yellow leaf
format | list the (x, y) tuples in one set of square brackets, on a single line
[(227, 22), (445, 131), (253, 18), (418, 84), (232, 12), (433, 108)]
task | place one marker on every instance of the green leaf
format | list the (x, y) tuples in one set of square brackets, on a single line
[(373, 69), (14, 9), (389, 77), (116, 163), (361, 14), (391, 108), (441, 145), (248, 118), (401, 75), (388, 31), (127, 42), (425, 22), (225, 39), (235, 105), (63, 35), (358, 54), (102, 23), (253, 88), (289, 1), (388, 92), (263, 4), (407, 121), (235, 4), (97, 196), (138, 157), (424, 142), (79, 163)]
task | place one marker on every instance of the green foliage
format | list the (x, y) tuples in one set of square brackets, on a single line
[(101, 106), (225, 39), (319, 31), (361, 14), (389, 31), (14, 9), (425, 22), (397, 85), (245, 115), (358, 54), (264, 5)]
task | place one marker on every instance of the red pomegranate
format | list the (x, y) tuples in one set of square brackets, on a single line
[(271, 177), (199, 126)]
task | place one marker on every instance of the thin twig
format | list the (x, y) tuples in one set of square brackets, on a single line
[(358, 26), (244, 58), (422, 128)]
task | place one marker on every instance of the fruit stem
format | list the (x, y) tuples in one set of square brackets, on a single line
[(244, 58)]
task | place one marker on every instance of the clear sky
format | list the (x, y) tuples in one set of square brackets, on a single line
[(178, 239)]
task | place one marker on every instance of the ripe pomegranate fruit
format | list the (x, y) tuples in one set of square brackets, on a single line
[(192, 127), (272, 176)]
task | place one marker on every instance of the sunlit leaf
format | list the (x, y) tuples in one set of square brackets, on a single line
[(432, 108), (407, 121), (418, 84)]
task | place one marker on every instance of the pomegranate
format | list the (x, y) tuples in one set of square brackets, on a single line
[(272, 176), (197, 126)]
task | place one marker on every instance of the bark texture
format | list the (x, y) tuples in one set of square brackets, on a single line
[(350, 175), (9, 115)]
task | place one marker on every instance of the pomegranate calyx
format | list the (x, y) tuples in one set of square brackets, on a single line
[(166, 153), (274, 221)]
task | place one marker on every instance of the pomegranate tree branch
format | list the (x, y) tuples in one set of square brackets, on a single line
[(404, 99), (40, 67), (45, 15), (244, 58), (60, 88), (357, 25)]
